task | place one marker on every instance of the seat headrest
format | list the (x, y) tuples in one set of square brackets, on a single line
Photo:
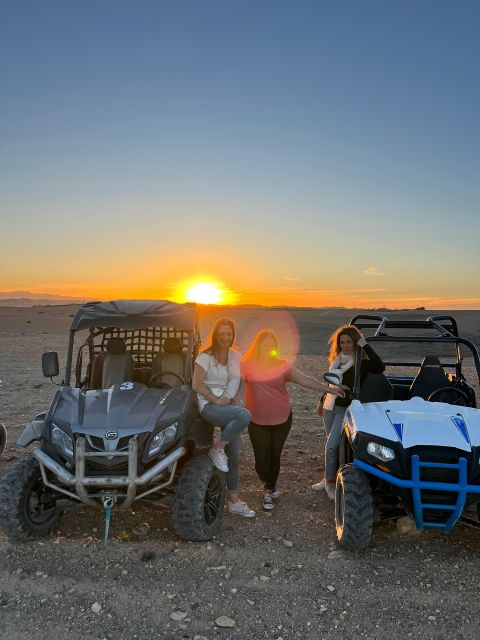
[(172, 345), (431, 362), (116, 346)]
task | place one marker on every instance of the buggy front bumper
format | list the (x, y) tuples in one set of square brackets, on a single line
[(124, 488), (416, 485)]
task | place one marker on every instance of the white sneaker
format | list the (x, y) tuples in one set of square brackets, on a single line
[(320, 486), (330, 489), (241, 509), (219, 459)]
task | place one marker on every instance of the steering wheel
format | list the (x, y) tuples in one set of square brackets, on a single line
[(444, 392), (164, 385)]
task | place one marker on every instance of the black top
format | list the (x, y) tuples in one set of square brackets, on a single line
[(372, 364)]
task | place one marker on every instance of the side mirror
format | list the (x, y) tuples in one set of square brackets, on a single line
[(332, 378), (50, 365)]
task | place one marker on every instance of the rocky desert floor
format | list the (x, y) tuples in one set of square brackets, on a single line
[(278, 575)]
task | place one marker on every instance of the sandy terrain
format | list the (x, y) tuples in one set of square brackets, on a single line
[(277, 576)]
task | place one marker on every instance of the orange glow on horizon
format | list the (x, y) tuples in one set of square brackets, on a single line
[(204, 292)]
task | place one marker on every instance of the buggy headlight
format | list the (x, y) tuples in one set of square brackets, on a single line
[(385, 454), (162, 438), (62, 440)]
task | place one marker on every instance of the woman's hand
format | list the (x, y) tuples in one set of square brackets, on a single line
[(362, 342), (336, 391), (222, 401)]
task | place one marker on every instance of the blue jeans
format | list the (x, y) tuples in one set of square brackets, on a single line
[(333, 421), (232, 420)]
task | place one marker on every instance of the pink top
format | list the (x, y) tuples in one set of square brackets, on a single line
[(266, 393)]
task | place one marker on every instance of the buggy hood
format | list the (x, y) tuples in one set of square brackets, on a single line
[(127, 408), (418, 422)]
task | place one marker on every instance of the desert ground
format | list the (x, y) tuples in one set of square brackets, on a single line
[(278, 575)]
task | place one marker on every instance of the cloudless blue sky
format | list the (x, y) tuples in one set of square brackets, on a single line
[(313, 139)]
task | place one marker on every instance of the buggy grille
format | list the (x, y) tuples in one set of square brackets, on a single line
[(97, 443)]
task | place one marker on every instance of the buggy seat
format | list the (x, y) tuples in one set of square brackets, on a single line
[(112, 366), (430, 377), (172, 358)]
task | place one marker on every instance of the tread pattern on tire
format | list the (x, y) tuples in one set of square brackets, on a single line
[(13, 520), (356, 532), (188, 507)]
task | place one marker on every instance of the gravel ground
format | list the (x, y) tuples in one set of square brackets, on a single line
[(275, 576)]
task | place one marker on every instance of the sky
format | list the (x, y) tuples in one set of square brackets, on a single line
[(294, 153)]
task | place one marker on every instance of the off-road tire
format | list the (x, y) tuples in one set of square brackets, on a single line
[(199, 500), (3, 438), (21, 493), (353, 508)]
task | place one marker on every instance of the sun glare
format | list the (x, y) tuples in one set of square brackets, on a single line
[(203, 292)]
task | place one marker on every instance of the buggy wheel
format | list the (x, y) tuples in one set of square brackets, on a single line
[(28, 508), (3, 438), (199, 500), (353, 508)]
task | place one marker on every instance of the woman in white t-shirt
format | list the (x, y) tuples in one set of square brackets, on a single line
[(217, 381)]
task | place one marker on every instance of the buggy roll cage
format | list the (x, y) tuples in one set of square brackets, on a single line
[(447, 333), (143, 323)]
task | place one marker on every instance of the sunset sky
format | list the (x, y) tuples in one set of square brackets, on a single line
[(302, 153)]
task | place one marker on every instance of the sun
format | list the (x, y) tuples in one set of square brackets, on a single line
[(203, 292)]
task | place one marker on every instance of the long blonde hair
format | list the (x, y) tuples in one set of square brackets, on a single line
[(253, 352), (334, 340)]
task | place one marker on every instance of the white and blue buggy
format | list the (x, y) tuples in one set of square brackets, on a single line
[(410, 444)]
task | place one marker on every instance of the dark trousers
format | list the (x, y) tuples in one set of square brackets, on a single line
[(267, 442)]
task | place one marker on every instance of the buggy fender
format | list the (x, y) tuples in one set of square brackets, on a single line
[(201, 434), (32, 432)]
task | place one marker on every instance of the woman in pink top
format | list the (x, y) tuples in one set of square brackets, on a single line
[(266, 377)]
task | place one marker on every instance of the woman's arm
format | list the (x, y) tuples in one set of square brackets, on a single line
[(374, 363), (198, 385), (238, 397), (297, 377)]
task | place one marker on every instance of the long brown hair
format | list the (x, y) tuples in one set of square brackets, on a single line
[(253, 352), (213, 348), (334, 340)]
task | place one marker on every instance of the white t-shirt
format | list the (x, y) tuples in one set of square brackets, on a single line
[(221, 379)]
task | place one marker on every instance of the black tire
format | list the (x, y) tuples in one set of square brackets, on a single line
[(3, 438), (28, 509), (199, 500), (353, 508)]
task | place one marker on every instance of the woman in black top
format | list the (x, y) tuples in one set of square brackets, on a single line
[(345, 343)]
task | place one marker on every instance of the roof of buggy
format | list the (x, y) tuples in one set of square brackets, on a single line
[(136, 314)]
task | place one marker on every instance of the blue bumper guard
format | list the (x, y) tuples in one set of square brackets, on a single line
[(416, 485)]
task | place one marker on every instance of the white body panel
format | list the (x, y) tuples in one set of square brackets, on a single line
[(417, 422)]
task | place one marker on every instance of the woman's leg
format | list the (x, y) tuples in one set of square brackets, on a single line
[(332, 445), (279, 434), (260, 438), (233, 454), (232, 420), (328, 418)]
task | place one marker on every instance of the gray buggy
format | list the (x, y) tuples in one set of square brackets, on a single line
[(127, 429)]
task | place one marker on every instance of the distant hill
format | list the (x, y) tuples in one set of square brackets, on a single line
[(30, 299)]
